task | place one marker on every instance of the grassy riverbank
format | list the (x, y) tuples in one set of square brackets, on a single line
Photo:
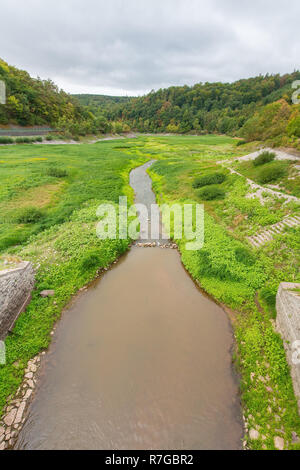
[(241, 278), (49, 196), (48, 199)]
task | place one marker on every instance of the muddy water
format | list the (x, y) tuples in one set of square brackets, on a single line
[(141, 360)]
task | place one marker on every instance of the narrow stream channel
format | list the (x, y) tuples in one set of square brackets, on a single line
[(141, 360)]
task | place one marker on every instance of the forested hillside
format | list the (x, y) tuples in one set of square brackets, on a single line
[(32, 101), (100, 101), (257, 109)]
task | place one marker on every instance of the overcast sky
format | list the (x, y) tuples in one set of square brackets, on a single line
[(132, 46)]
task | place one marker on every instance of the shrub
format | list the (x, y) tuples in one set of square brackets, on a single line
[(49, 137), (264, 157), (23, 140), (244, 256), (57, 172), (241, 142), (6, 140), (271, 173), (28, 215), (91, 260), (39, 139), (212, 178), (210, 193)]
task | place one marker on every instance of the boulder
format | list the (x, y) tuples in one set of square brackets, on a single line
[(279, 443), (47, 293)]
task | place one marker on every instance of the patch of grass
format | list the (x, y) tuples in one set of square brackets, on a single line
[(57, 172), (6, 140), (211, 178), (271, 173), (263, 158), (28, 215), (241, 142), (211, 193), (24, 140), (92, 259)]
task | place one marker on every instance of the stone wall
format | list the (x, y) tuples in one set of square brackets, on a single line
[(15, 289), (288, 325)]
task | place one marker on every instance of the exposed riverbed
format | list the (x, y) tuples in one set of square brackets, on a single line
[(141, 360)]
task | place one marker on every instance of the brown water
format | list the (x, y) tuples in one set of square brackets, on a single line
[(141, 360)]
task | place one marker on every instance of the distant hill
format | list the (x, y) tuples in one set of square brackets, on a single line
[(100, 100), (256, 108)]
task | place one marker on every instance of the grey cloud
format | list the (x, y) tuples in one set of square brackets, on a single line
[(133, 46)]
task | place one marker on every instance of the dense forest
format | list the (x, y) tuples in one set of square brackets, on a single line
[(35, 102), (257, 108)]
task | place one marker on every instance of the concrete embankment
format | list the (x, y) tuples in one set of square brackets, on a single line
[(15, 289)]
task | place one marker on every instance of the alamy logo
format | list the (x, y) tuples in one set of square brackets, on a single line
[(296, 94), (2, 353), (184, 221), (2, 92)]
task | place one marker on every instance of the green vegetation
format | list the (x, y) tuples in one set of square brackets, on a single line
[(35, 102), (243, 279), (271, 173), (20, 140), (264, 157), (286, 174), (258, 108), (213, 178), (65, 184), (28, 215), (57, 172), (6, 140), (209, 193), (52, 223)]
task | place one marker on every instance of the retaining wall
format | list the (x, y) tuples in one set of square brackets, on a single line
[(288, 325), (15, 290)]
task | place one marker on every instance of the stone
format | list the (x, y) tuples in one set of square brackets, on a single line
[(27, 394), (2, 430), (29, 375), (279, 443), (253, 434), (3, 446), (295, 438), (20, 412), (47, 293), (9, 418), (30, 383), (33, 368)]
